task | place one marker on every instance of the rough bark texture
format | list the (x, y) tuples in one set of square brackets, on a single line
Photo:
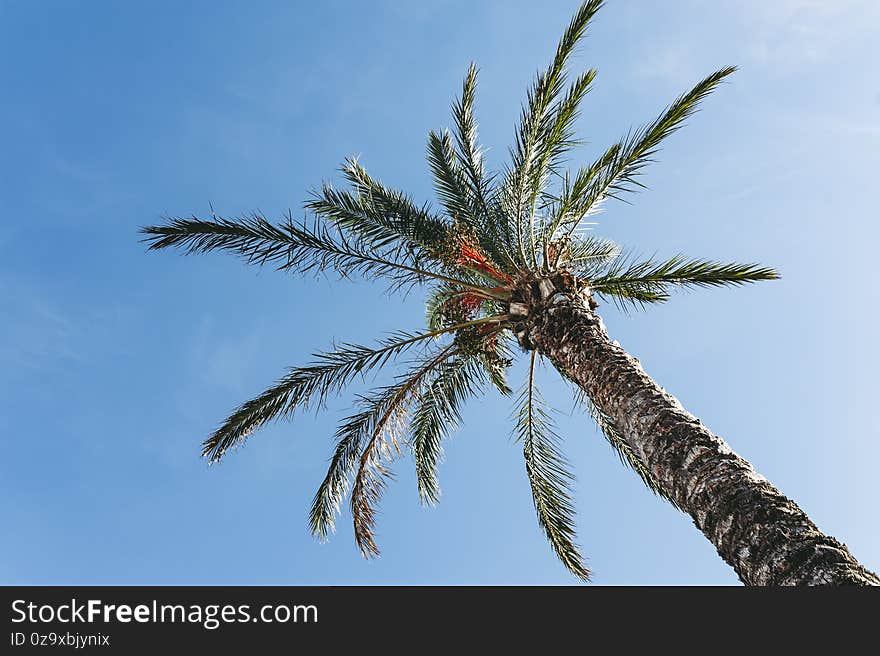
[(761, 533)]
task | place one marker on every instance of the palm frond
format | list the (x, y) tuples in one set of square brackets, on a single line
[(437, 414), (450, 183), (631, 297), (561, 138), (488, 223), (542, 133), (566, 210), (586, 256), (386, 426), (294, 247), (380, 217), (310, 385), (457, 196), (640, 282), (435, 306), (545, 131), (496, 356), (442, 311), (548, 475), (559, 141), (353, 431), (470, 152), (617, 171)]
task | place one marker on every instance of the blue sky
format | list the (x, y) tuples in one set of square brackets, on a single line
[(114, 364)]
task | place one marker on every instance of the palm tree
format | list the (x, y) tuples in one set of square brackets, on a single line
[(508, 269)]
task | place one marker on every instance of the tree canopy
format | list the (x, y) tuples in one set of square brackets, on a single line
[(490, 234)]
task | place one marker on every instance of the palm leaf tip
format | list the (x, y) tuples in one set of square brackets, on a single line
[(378, 216), (388, 418), (327, 502), (311, 385), (438, 413), (543, 134), (549, 476), (576, 29), (632, 282), (618, 170)]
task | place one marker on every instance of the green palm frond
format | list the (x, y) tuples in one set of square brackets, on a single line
[(308, 386), (541, 133), (327, 501), (618, 169), (548, 475), (639, 282), (496, 356), (435, 306), (566, 208), (450, 183), (585, 256), (469, 150), (380, 217), (353, 431), (459, 200), (638, 297), (534, 139), (294, 247), (386, 427), (545, 129), (560, 137), (490, 224), (559, 141), (441, 306), (437, 414), (494, 353)]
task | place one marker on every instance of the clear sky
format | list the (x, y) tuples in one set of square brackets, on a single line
[(115, 364)]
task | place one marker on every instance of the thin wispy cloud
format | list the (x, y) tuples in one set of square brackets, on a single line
[(794, 34), (781, 36), (225, 360), (36, 335)]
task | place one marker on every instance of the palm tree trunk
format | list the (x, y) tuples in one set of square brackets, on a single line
[(761, 533)]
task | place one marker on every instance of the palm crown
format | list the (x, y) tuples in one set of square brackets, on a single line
[(482, 257)]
